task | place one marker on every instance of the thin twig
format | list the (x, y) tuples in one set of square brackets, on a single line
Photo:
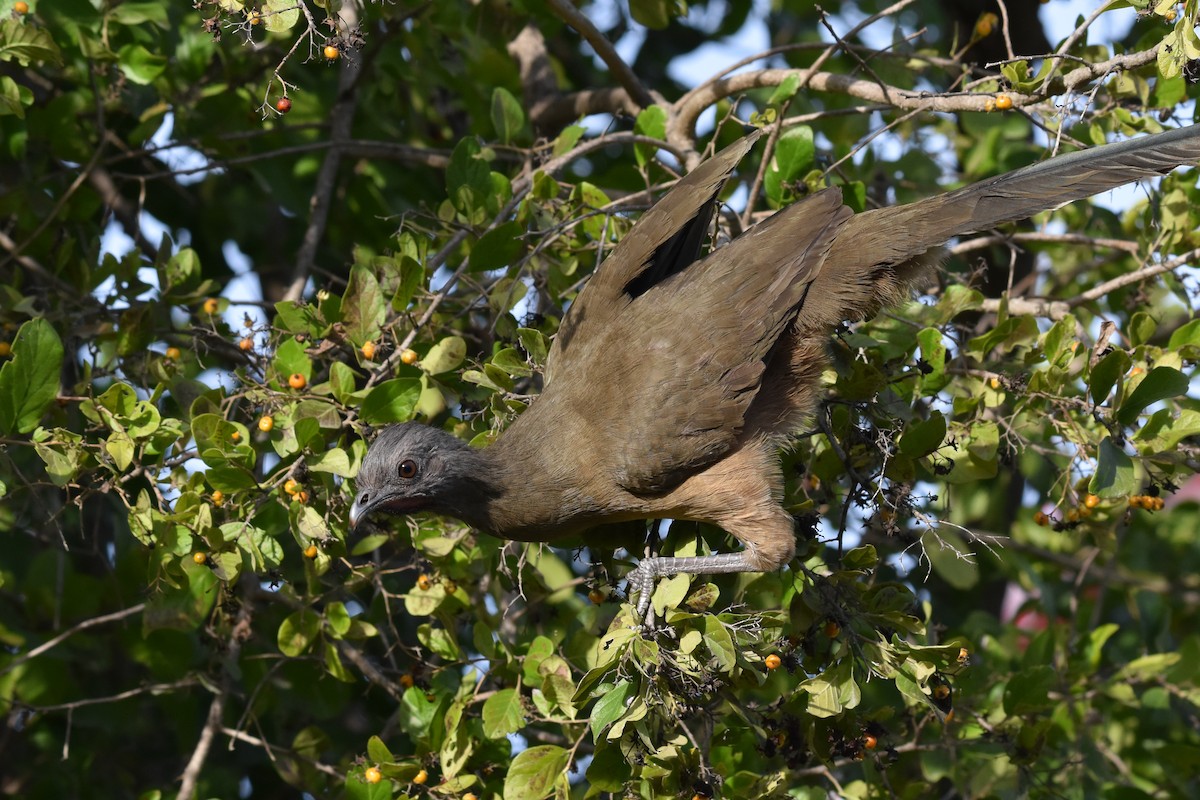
[(82, 626)]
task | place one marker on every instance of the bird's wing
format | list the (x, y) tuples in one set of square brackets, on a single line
[(665, 240), (682, 363)]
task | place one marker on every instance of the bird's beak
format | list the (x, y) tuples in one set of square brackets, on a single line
[(358, 512)]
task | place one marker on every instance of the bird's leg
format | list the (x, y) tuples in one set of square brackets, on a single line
[(644, 577), (768, 533), (653, 541)]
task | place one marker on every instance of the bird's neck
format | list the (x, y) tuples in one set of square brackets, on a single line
[(514, 493)]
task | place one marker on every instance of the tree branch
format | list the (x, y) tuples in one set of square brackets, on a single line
[(604, 49)]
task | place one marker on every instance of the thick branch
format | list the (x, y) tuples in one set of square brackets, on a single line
[(608, 54)]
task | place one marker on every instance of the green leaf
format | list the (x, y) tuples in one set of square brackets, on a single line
[(793, 155), (497, 248), (26, 44), (298, 632), (438, 641), (652, 122), (533, 772), (369, 544), (378, 752), (1115, 475), (137, 13), (139, 64), (950, 557), (1160, 383), (861, 558), (503, 714), (468, 177), (363, 308), (511, 362), (29, 381), (654, 14), (14, 97), (785, 91), (391, 401), (444, 356), (507, 116), (1141, 328), (924, 437), (535, 344), (610, 707), (933, 352), (1028, 691), (1188, 334), (280, 16), (1106, 373), (719, 643)]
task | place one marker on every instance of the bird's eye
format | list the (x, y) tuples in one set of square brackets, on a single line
[(408, 469)]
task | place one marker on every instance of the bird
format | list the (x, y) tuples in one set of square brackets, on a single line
[(726, 349)]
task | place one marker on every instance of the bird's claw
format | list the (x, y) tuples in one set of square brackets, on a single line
[(641, 583)]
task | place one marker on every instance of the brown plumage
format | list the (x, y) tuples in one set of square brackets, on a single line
[(724, 352)]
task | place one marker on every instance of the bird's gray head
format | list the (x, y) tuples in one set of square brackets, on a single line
[(413, 467)]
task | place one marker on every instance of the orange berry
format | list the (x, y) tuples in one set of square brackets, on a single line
[(773, 661), (986, 24), (218, 497), (596, 596), (420, 777), (1091, 501), (964, 655), (423, 583), (408, 356), (994, 383), (1041, 518), (246, 344), (174, 354), (941, 691), (310, 551), (290, 486), (199, 557), (869, 742), (5, 349), (469, 796), (1169, 16), (1073, 515), (21, 7), (1157, 503), (302, 496), (255, 18), (266, 424), (832, 629), (989, 105), (212, 305), (235, 437), (331, 52), (406, 680), (283, 105), (450, 586), (1004, 102), (297, 381), (372, 775), (368, 350), (1135, 501)]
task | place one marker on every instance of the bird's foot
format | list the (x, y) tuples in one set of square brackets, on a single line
[(641, 583)]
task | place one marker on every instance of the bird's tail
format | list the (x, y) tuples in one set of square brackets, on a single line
[(886, 248)]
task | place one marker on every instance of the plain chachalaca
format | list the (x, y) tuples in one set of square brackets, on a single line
[(726, 353)]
